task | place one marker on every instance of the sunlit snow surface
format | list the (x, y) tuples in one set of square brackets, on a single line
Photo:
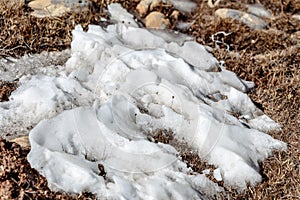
[(121, 85)]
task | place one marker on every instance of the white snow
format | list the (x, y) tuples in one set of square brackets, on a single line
[(49, 63), (217, 174), (119, 14), (121, 85)]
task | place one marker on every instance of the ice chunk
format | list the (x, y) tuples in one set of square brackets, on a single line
[(217, 174), (119, 14)]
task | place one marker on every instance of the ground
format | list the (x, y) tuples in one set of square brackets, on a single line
[(269, 58)]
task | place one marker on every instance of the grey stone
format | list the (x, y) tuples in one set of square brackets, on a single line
[(259, 10), (246, 18)]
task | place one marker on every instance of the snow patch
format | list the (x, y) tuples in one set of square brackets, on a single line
[(120, 86)]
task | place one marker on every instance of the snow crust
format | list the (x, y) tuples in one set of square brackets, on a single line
[(120, 86), (49, 63)]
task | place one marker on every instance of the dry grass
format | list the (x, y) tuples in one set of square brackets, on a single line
[(22, 33), (188, 155), (5, 90), (270, 58), (277, 75), (19, 181)]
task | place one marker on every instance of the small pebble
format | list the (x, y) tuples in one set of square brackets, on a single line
[(258, 10), (23, 141), (183, 26), (296, 17), (39, 4), (144, 5), (157, 20), (246, 18), (48, 8)]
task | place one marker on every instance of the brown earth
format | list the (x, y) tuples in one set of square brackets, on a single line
[(270, 58)]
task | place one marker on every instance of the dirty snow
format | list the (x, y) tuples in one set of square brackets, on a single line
[(121, 85)]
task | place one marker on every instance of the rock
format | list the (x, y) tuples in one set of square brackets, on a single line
[(39, 4), (184, 6), (144, 6), (155, 3), (258, 10), (156, 20), (51, 11), (296, 17), (48, 8), (183, 26), (175, 15), (23, 141), (213, 4), (246, 18)]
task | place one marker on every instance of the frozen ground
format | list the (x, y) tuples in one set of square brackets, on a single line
[(119, 87)]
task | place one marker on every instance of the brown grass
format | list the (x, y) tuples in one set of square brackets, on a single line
[(22, 33), (270, 58), (19, 181), (5, 90)]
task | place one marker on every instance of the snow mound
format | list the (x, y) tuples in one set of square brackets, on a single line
[(97, 117)]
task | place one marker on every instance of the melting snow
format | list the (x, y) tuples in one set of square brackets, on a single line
[(121, 85)]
